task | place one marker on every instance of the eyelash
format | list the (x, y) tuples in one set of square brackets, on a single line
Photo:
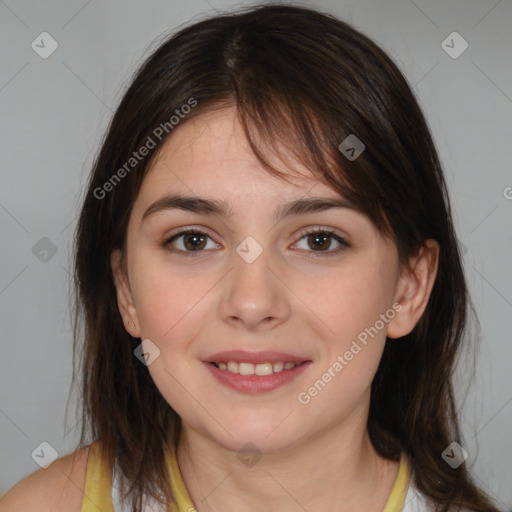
[(312, 254)]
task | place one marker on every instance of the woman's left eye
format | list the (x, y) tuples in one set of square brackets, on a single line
[(320, 238), (194, 241)]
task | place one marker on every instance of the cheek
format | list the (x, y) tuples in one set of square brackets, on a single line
[(348, 301), (171, 307), (167, 298), (349, 306)]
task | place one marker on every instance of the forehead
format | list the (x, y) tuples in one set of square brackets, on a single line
[(210, 154)]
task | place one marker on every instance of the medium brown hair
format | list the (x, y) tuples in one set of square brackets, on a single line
[(302, 80)]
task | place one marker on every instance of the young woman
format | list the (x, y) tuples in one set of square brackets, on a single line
[(270, 283)]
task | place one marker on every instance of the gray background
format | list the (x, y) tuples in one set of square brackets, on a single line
[(55, 110)]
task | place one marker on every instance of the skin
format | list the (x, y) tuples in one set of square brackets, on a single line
[(58, 488), (192, 307)]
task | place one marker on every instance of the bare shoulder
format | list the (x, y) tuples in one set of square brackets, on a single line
[(58, 488)]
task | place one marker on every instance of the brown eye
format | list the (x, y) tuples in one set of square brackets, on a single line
[(194, 241), (318, 242), (188, 241)]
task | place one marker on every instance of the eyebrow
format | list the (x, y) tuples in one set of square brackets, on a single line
[(207, 206)]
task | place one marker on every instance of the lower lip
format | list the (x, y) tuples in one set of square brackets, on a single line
[(256, 383)]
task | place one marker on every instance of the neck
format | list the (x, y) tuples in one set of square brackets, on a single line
[(334, 470)]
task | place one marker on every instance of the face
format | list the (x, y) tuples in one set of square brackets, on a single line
[(318, 289)]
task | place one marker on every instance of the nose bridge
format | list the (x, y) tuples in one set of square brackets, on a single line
[(254, 293)]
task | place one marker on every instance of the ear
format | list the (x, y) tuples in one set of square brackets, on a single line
[(124, 295), (413, 289)]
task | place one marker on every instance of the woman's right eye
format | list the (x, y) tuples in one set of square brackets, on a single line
[(188, 242)]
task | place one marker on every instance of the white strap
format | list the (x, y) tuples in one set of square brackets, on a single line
[(151, 505)]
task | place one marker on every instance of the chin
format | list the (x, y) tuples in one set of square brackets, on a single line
[(263, 435)]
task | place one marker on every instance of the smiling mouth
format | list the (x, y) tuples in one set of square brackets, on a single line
[(245, 368)]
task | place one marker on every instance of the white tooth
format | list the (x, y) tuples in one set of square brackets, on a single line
[(263, 369), (246, 369), (222, 366), (288, 366), (233, 367), (278, 367)]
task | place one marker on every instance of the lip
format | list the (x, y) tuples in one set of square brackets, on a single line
[(266, 356), (254, 384)]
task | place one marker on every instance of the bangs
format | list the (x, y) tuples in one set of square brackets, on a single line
[(286, 133), (295, 132)]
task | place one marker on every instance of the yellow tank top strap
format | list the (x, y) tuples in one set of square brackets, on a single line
[(98, 486), (395, 501), (398, 493), (180, 492)]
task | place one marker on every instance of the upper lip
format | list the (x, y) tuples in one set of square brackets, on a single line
[(266, 356)]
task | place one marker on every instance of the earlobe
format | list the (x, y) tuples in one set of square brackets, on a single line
[(414, 288), (124, 295)]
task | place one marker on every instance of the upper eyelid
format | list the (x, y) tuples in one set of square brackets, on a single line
[(206, 231)]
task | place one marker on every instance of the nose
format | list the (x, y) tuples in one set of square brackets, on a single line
[(256, 297)]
